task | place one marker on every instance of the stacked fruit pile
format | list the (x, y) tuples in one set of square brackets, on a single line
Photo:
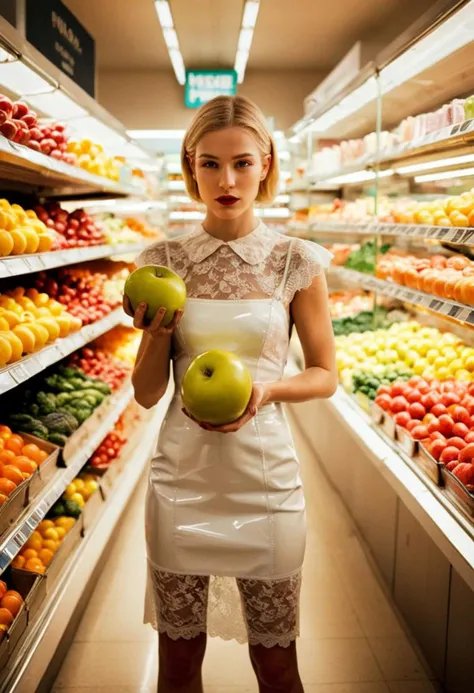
[(29, 320), (86, 294), (439, 414), (98, 363), (78, 491), (18, 461), (39, 551), (450, 211), (347, 303), (91, 157), (74, 230), (110, 448), (451, 278), (11, 602), (21, 231), (52, 407), (51, 139), (424, 350), (122, 342)]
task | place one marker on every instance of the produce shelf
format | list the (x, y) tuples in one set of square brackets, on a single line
[(31, 661), (20, 371), (14, 266), (91, 439), (23, 167), (442, 306)]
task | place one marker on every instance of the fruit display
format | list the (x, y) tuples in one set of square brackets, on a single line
[(368, 383), (22, 231), (54, 405), (348, 303), (78, 491), (424, 350), (11, 602), (365, 321), (73, 230), (216, 387), (364, 258), (110, 448), (18, 461), (38, 552), (117, 230), (158, 287), (88, 293), (91, 157), (447, 277), (121, 341), (441, 415), (457, 210), (29, 320), (51, 139), (98, 363)]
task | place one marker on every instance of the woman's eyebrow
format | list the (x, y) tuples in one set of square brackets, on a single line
[(216, 158)]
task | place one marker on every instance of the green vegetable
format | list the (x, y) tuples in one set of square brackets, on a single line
[(57, 439), (28, 424), (58, 510), (72, 509), (60, 422), (64, 397), (69, 372), (46, 402)]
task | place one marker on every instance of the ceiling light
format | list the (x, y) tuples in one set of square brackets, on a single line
[(458, 173), (178, 65), (171, 38), (250, 14), (22, 80), (164, 14), (156, 134), (440, 163), (249, 20), (57, 104)]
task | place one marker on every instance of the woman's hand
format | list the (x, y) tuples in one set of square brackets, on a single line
[(155, 328), (258, 398)]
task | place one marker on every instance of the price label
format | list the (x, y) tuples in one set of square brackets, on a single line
[(20, 373), (470, 318), (16, 266), (454, 311), (436, 305)]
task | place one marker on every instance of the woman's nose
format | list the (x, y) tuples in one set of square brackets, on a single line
[(227, 178)]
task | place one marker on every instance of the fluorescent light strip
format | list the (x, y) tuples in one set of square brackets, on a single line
[(459, 173), (249, 20), (439, 163), (165, 17), (360, 177)]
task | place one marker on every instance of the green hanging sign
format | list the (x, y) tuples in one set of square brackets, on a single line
[(204, 85)]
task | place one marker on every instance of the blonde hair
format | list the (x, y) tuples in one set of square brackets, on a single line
[(226, 112)]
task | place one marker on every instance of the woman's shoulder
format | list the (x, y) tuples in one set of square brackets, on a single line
[(305, 252), (162, 252)]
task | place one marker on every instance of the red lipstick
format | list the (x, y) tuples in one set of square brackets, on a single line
[(227, 200)]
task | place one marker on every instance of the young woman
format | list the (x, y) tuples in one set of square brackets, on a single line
[(225, 516)]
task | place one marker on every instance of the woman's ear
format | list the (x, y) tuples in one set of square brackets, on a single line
[(266, 162), (191, 162)]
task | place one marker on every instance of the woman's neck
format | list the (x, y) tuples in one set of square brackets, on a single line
[(230, 229)]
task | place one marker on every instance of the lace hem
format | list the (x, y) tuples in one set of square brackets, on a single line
[(258, 612)]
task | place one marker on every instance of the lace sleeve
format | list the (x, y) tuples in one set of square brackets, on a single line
[(308, 259), (155, 254)]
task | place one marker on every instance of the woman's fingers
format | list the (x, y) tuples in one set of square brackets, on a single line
[(127, 306), (155, 324), (176, 319), (139, 317)]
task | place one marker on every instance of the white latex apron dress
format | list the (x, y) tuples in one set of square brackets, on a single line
[(225, 514)]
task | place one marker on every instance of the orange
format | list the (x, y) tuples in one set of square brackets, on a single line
[(12, 603), (3, 589), (19, 242), (12, 473), (3, 498), (26, 337), (1, 443), (7, 456), (44, 525), (46, 556), (24, 464), (42, 456), (51, 545), (6, 243), (15, 444), (34, 565), (61, 532), (7, 487), (66, 523), (13, 593), (51, 534), (16, 345), (28, 554), (6, 617), (19, 562), (32, 451)]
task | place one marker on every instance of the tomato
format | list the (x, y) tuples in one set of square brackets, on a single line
[(449, 454), (467, 454), (433, 426), (430, 399), (437, 448), (398, 404), (460, 430), (384, 402), (448, 398), (437, 435), (416, 410), (399, 387), (419, 432), (457, 442), (439, 409), (413, 396), (446, 424)]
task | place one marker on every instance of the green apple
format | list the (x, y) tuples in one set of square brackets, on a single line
[(158, 287), (216, 388)]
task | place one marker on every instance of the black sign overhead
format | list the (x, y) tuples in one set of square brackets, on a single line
[(57, 34)]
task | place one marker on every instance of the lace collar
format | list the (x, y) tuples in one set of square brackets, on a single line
[(252, 249)]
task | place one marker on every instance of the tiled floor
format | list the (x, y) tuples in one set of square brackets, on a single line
[(352, 641)]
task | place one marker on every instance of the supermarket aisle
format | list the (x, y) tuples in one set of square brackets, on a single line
[(351, 639)]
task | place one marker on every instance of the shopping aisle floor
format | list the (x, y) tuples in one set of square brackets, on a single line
[(352, 641)]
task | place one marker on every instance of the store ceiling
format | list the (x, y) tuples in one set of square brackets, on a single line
[(302, 34)]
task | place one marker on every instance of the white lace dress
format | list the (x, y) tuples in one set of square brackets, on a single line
[(225, 514)]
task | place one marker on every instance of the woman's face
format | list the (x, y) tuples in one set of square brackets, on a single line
[(229, 167)]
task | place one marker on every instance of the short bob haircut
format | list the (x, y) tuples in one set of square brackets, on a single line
[(226, 112)]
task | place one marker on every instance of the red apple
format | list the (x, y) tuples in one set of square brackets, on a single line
[(6, 106), (8, 129), (30, 119), (20, 109)]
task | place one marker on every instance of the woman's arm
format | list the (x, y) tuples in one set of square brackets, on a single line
[(152, 366), (310, 311)]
